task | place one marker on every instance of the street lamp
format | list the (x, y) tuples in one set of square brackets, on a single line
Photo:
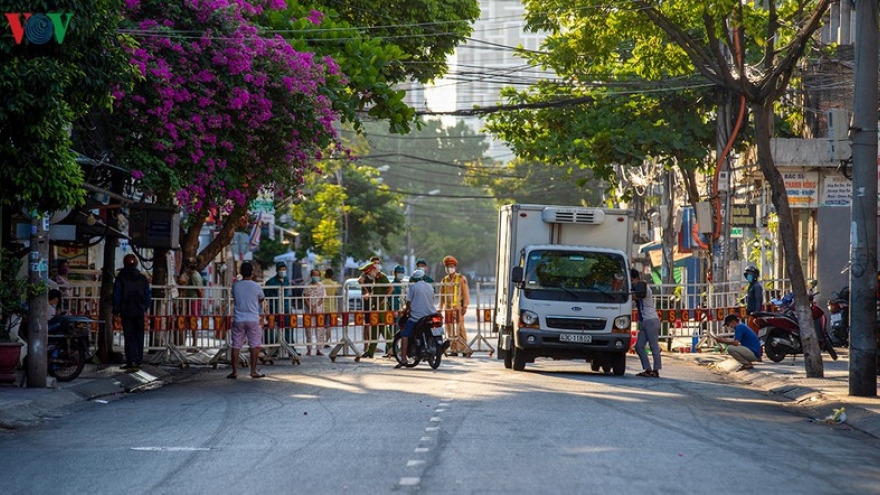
[(409, 257)]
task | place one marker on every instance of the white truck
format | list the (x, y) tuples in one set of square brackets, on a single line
[(563, 285)]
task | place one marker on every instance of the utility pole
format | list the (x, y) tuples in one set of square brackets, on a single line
[(863, 227), (38, 304)]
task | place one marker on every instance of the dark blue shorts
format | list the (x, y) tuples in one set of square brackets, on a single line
[(409, 329)]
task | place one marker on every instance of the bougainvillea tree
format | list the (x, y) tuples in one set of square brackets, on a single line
[(222, 111)]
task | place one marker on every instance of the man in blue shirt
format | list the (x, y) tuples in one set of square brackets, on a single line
[(744, 346)]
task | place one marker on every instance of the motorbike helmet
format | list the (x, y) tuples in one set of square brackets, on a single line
[(751, 271), (130, 260)]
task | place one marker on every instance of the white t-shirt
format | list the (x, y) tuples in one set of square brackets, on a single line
[(247, 295), (649, 310)]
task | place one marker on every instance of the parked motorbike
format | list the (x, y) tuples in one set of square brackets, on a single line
[(780, 331), (68, 346), (838, 316), (427, 342)]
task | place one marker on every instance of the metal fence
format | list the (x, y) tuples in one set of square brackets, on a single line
[(188, 324)]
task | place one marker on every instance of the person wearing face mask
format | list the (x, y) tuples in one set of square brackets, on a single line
[(277, 284), (454, 301), (422, 265), (754, 296), (396, 305), (313, 296), (376, 285)]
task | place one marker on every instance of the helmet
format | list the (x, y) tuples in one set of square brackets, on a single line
[(751, 270), (399, 269), (130, 260), (421, 261), (449, 260), (417, 275)]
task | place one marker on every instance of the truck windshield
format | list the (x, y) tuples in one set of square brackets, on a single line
[(576, 276)]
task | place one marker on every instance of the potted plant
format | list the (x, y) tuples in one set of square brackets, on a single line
[(14, 292)]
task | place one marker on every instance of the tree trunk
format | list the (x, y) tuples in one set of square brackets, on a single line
[(108, 277), (763, 114), (190, 245)]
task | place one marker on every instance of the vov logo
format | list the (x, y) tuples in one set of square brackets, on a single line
[(38, 28)]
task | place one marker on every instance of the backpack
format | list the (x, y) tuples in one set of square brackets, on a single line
[(133, 297)]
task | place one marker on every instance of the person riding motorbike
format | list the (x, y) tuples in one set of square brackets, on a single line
[(419, 303)]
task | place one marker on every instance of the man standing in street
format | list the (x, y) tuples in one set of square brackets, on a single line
[(376, 284), (275, 290), (247, 298), (331, 289), (649, 325), (131, 300), (454, 301), (754, 296), (422, 265)]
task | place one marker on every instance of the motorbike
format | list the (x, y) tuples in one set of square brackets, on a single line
[(68, 346), (780, 331), (838, 316), (426, 344)]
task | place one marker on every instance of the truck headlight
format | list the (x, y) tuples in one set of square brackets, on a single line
[(622, 323), (528, 319)]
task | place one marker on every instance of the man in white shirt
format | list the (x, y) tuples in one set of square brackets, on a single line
[(649, 325)]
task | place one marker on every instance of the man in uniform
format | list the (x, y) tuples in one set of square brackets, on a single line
[(377, 286), (422, 265), (454, 301)]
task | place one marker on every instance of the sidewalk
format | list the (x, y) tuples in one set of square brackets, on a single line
[(817, 396), (27, 407)]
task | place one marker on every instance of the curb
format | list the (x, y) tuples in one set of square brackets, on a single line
[(41, 404), (814, 402)]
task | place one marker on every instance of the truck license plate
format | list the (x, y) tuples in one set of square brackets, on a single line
[(575, 337)]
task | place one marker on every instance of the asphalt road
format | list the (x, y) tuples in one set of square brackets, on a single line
[(469, 427)]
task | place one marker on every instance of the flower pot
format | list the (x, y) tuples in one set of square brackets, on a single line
[(10, 352)]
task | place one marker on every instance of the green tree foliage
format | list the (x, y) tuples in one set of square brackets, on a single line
[(524, 181), (46, 87), (747, 49), (377, 47)]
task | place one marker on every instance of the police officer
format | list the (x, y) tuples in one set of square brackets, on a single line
[(455, 298)]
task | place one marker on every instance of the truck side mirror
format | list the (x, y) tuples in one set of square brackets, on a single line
[(516, 275)]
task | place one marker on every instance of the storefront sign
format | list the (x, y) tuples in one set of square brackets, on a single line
[(742, 215), (836, 190), (802, 189), (38, 28)]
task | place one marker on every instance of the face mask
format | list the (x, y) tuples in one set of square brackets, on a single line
[(282, 273), (398, 277), (750, 278), (316, 279), (378, 267), (422, 268), (450, 270)]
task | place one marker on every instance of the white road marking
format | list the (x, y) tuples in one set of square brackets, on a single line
[(412, 481), (414, 463), (170, 449)]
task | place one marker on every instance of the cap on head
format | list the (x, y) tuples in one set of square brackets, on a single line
[(450, 260), (130, 260), (280, 265), (417, 275), (375, 259), (399, 269), (730, 318), (421, 261), (366, 266)]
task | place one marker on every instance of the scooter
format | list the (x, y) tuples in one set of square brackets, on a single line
[(838, 316), (427, 342), (68, 347), (780, 332)]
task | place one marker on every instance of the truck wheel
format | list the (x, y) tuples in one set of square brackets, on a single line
[(594, 365), (618, 363), (519, 358)]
